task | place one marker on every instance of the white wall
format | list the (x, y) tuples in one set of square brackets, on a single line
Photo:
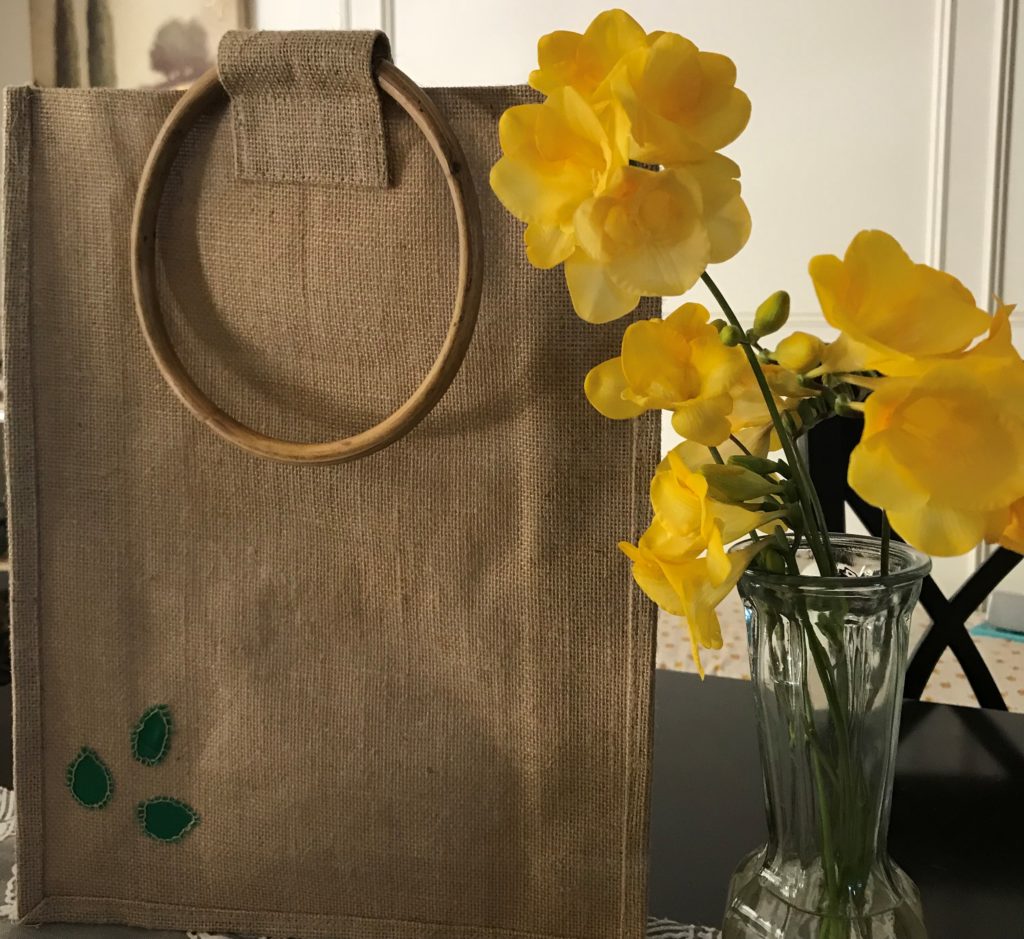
[(15, 51), (299, 14), (15, 55)]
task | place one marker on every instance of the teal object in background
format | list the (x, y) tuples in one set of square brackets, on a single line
[(988, 631)]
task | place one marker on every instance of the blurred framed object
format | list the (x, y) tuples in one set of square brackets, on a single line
[(128, 43)]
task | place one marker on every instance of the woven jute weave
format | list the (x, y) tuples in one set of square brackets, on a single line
[(411, 693)]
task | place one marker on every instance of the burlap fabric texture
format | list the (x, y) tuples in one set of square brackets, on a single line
[(410, 694)]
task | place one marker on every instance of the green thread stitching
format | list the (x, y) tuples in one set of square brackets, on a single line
[(179, 823), (158, 716), (88, 757)]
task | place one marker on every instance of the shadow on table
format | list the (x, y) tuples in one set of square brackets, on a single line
[(958, 816)]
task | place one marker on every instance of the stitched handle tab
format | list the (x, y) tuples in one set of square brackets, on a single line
[(305, 106)]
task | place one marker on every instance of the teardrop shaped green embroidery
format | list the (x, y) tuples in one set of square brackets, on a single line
[(89, 779), (151, 736), (166, 819)]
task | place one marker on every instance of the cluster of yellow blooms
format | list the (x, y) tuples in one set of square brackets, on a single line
[(937, 381), (569, 168)]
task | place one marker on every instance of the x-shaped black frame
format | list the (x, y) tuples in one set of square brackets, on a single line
[(829, 447)]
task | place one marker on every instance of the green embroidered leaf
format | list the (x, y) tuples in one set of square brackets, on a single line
[(151, 736), (166, 819), (89, 779)]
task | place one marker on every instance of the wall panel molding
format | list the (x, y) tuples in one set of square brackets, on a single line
[(1005, 63), (373, 14), (938, 170)]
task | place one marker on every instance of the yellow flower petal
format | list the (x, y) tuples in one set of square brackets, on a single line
[(719, 567), (680, 518), (943, 451), (595, 296), (604, 387), (677, 364), (844, 355), (557, 54), (880, 480), (705, 420), (548, 245), (657, 363), (896, 309), (726, 110), (725, 214), (651, 579), (1008, 529), (555, 155), (942, 532), (682, 103), (917, 421), (703, 583), (647, 230)]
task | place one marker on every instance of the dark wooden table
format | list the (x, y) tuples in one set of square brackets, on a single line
[(957, 819)]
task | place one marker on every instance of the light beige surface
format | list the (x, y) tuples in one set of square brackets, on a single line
[(947, 685)]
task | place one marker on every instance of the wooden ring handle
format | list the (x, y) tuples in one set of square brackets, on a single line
[(203, 97)]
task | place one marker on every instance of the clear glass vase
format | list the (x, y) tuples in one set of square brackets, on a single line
[(827, 657)]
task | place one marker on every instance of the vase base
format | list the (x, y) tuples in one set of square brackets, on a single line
[(756, 911)]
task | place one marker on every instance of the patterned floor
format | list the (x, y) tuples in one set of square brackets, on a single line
[(948, 685)]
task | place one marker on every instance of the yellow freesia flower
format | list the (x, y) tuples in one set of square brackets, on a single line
[(653, 234), (703, 583), (683, 503), (642, 236), (691, 587), (584, 61), (649, 569), (677, 364), (891, 311), (943, 451), (680, 562), (682, 104), (556, 155)]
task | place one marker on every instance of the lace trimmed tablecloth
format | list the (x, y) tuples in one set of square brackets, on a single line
[(656, 928)]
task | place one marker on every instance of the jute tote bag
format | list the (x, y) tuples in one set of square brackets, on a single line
[(400, 696)]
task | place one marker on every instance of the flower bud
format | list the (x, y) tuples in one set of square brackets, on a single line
[(772, 314), (810, 409), (731, 336), (735, 484), (799, 352), (756, 464)]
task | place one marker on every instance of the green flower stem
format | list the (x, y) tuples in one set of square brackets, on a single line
[(739, 443), (819, 544), (886, 539), (845, 842)]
